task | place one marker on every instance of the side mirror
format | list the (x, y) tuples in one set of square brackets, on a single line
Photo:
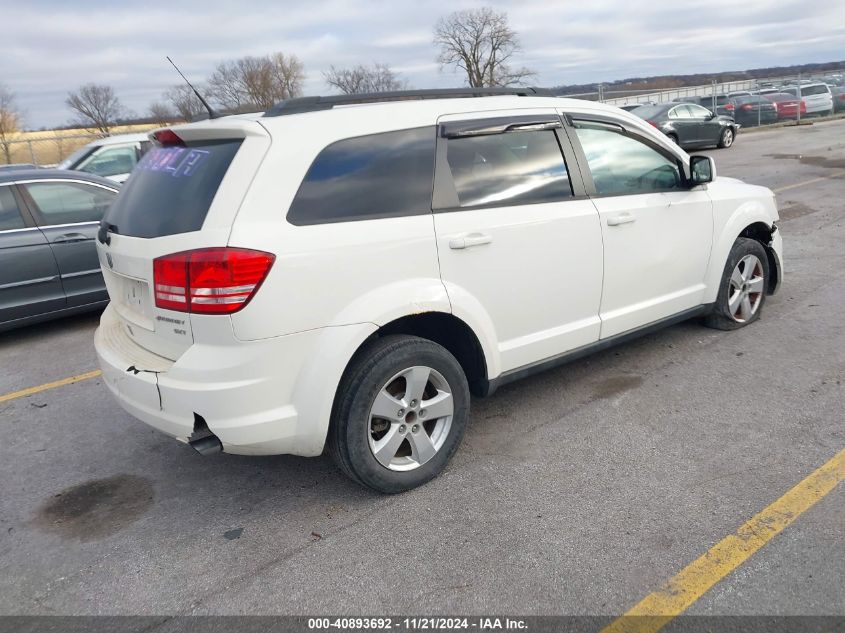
[(702, 170)]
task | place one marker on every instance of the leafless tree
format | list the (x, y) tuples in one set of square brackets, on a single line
[(184, 101), (375, 78), (96, 106), (10, 121), (480, 43), (251, 83), (161, 113)]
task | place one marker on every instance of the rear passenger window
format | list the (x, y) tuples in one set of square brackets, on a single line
[(366, 177), (523, 167), (10, 217), (69, 202)]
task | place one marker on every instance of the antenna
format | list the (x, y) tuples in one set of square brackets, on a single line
[(211, 113)]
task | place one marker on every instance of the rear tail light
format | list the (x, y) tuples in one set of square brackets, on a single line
[(747, 106), (209, 280), (729, 107), (652, 123)]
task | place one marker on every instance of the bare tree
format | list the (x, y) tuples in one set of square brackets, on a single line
[(375, 78), (480, 43), (184, 101), (10, 121), (251, 83), (96, 105), (161, 113)]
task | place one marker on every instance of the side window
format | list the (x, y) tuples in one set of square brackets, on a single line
[(621, 164), (111, 162), (676, 113), (69, 202), (698, 112), (10, 216), (520, 167), (366, 177)]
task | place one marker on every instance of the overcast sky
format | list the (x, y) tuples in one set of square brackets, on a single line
[(49, 47)]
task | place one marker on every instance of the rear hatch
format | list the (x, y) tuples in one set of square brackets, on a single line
[(183, 196)]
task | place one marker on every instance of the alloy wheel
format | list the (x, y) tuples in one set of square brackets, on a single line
[(747, 286), (410, 418)]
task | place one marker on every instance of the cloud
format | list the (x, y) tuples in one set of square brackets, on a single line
[(57, 46)]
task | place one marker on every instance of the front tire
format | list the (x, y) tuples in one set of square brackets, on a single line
[(742, 291), (726, 138), (401, 412)]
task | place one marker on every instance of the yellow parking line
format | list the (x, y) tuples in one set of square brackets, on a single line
[(50, 385), (657, 609), (808, 182)]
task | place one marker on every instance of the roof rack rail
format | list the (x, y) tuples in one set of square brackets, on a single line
[(313, 104)]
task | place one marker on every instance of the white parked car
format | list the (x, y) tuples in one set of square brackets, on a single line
[(342, 275), (816, 97), (112, 157)]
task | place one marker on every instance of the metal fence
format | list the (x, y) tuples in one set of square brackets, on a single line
[(47, 149), (711, 95)]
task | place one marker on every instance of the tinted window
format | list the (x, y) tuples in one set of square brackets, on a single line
[(524, 167), (814, 90), (621, 164), (69, 202), (111, 162), (10, 217), (680, 112), (365, 177), (171, 189)]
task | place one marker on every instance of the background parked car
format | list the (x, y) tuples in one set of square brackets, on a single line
[(787, 105), (48, 263), (720, 104), (690, 125), (838, 94), (753, 110), (112, 157), (816, 97)]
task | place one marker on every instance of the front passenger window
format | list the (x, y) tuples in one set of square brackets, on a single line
[(621, 164)]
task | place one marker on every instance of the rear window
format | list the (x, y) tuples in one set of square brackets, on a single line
[(171, 189), (648, 111), (814, 90)]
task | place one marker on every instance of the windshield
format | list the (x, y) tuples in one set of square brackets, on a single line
[(77, 157)]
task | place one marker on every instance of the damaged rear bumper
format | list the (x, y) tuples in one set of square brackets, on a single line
[(239, 390)]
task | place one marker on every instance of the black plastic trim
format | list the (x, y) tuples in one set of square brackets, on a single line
[(567, 357)]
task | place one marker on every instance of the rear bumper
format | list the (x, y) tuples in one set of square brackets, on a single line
[(247, 393)]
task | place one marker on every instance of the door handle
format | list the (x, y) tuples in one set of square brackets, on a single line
[(469, 240), (69, 238), (622, 218)]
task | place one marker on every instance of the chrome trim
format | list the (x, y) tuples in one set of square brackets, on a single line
[(59, 226), (81, 273), (80, 181), (26, 228), (17, 284)]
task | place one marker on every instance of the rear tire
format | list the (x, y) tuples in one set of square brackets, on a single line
[(400, 414), (726, 138), (742, 291)]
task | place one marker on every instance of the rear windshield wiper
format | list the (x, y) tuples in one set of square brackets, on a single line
[(103, 236)]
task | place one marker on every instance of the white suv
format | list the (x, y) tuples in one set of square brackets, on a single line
[(342, 272), (817, 97)]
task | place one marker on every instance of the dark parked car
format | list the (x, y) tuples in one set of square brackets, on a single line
[(720, 104), (690, 125), (787, 105), (48, 263), (838, 98), (753, 110)]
